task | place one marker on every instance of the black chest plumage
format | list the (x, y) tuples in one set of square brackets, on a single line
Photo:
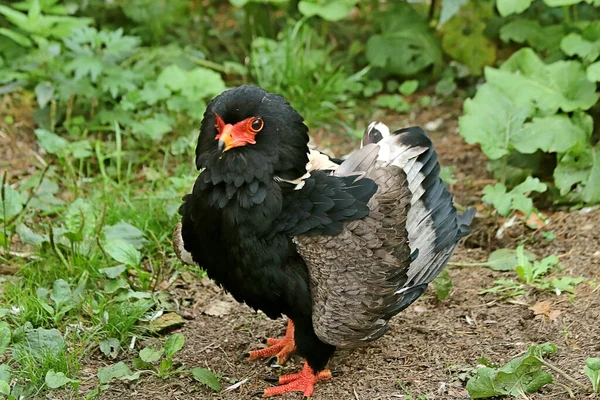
[(227, 227)]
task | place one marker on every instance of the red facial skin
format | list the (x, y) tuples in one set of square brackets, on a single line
[(239, 134)]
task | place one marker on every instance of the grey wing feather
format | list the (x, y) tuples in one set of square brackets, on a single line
[(382, 263), (356, 275)]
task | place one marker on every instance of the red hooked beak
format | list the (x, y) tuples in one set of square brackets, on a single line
[(237, 135)]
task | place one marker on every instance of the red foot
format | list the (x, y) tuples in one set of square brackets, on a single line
[(304, 382), (282, 348)]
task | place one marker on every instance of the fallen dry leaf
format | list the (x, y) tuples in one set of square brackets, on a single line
[(218, 308), (544, 308)]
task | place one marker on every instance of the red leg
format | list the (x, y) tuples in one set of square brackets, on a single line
[(304, 382), (282, 348)]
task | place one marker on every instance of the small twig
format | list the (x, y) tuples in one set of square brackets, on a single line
[(564, 374), (568, 389)]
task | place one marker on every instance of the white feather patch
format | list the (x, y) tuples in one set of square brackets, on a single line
[(184, 255), (316, 160)]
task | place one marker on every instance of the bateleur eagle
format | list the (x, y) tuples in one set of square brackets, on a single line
[(337, 247)]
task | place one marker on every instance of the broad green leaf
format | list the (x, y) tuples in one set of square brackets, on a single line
[(16, 37), (491, 119), (149, 355), (11, 204), (80, 149), (14, 16), (445, 87), (45, 196), (61, 292), (5, 337), (330, 10), (470, 47), (84, 66), (449, 9), (80, 219), (173, 77), (579, 172), (524, 267), (206, 377), (507, 7), (566, 283), (4, 388), (51, 142), (118, 81), (497, 196), (110, 347), (506, 259), (39, 343), (153, 92), (529, 185), (54, 380), (481, 386), (127, 232), (528, 81), (154, 127), (541, 38), (122, 251), (409, 87), (5, 372), (592, 371), (447, 175), (241, 3), (405, 45), (44, 92), (542, 267), (560, 3), (521, 375), (115, 284), (505, 202), (203, 83), (117, 371), (575, 45), (442, 285), (552, 134), (173, 344), (393, 102), (593, 72), (114, 272)]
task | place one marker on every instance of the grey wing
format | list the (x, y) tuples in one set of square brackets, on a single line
[(356, 276), (380, 264)]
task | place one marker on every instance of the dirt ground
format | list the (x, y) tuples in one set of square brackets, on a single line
[(432, 345)]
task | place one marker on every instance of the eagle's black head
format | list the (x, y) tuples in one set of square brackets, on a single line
[(248, 128)]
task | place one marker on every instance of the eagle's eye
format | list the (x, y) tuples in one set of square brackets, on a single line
[(257, 124)]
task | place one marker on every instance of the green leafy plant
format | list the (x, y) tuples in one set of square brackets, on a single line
[(520, 376), (529, 271), (530, 106), (148, 357), (404, 45), (207, 378), (305, 75), (592, 371), (442, 285), (515, 199)]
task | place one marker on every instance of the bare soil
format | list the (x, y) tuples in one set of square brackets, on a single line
[(433, 345)]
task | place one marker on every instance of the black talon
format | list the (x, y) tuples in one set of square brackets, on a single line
[(337, 372), (264, 341), (258, 394), (272, 379), (272, 362), (243, 356)]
